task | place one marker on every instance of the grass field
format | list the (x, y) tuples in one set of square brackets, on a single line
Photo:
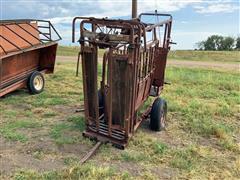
[(214, 56), (41, 135)]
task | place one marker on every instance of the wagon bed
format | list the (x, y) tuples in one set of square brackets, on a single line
[(27, 46)]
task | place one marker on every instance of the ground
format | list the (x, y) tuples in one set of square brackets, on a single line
[(41, 135)]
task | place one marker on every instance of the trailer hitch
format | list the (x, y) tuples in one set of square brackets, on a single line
[(91, 152), (168, 83)]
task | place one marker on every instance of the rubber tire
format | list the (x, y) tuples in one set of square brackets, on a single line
[(159, 110), (30, 83), (101, 102)]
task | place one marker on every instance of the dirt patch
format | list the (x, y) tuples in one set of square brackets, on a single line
[(77, 150), (180, 63), (11, 162), (168, 136), (164, 172), (15, 156), (65, 110), (135, 169), (202, 64), (45, 145)]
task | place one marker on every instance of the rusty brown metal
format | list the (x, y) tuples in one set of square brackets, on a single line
[(132, 65), (91, 152), (25, 48)]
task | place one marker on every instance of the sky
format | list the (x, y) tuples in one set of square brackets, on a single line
[(193, 20)]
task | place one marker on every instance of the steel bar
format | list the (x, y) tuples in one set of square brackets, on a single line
[(36, 30), (91, 152), (134, 8), (3, 49), (79, 54)]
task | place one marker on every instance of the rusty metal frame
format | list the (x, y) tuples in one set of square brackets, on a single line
[(130, 68)]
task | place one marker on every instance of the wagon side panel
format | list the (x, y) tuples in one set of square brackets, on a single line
[(19, 65), (47, 58), (16, 69)]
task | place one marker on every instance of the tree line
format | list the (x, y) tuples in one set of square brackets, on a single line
[(219, 43)]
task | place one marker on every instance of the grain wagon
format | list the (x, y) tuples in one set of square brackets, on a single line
[(27, 50)]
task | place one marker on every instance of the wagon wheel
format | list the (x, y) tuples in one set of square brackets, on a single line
[(36, 83), (158, 115)]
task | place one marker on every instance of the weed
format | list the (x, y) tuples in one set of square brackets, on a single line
[(78, 121), (87, 171), (70, 161), (10, 132), (185, 159), (58, 134)]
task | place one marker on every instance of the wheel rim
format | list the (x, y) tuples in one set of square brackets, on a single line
[(38, 83), (163, 121)]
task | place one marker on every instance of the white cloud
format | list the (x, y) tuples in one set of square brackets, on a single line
[(120, 8), (59, 20), (61, 13), (216, 8), (184, 22), (123, 8)]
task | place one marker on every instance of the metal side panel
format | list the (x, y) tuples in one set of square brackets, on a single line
[(121, 89), (89, 60), (0, 75), (47, 58), (16, 65), (160, 60)]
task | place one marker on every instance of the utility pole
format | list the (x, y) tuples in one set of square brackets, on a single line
[(134, 8)]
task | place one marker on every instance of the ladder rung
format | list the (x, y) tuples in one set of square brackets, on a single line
[(47, 27), (45, 33)]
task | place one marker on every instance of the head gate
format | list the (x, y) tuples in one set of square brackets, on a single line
[(131, 68)]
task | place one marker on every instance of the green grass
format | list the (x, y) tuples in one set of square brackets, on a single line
[(87, 171), (191, 55), (78, 121), (203, 132), (217, 56), (9, 130), (72, 51), (185, 159), (155, 149), (68, 50), (59, 132)]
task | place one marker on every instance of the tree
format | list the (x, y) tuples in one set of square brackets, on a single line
[(209, 44), (217, 43), (227, 44), (238, 43), (213, 42), (200, 45)]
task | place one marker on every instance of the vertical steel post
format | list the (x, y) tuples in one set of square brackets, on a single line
[(134, 8)]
